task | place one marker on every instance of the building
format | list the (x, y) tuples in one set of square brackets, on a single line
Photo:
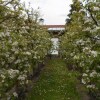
[(55, 31)]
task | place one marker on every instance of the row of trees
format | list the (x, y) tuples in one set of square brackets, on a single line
[(23, 44), (80, 45)]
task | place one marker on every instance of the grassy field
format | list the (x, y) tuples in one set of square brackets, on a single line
[(55, 83)]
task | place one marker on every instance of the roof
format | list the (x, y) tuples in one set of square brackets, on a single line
[(54, 26)]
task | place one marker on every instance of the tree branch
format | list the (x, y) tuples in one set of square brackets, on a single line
[(8, 2), (95, 21)]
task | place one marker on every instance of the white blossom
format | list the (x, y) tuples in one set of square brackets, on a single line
[(87, 79), (27, 53), (7, 55), (94, 53), (98, 75), (76, 57), (87, 20), (3, 62), (2, 81), (10, 41), (92, 74), (98, 66), (91, 86), (97, 37), (87, 29), (84, 74), (2, 76), (22, 77), (7, 34), (74, 12), (27, 81), (35, 57), (80, 42), (15, 43), (17, 61), (11, 58), (81, 10), (2, 34), (83, 81), (96, 9), (16, 52), (13, 49), (86, 49), (15, 94), (72, 54), (95, 29), (12, 73)]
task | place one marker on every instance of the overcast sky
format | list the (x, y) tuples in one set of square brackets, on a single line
[(52, 11)]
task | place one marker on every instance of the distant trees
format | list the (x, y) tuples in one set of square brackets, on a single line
[(81, 43)]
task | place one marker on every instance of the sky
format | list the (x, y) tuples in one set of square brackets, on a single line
[(52, 11)]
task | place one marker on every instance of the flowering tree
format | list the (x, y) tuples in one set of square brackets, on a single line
[(23, 43), (81, 43)]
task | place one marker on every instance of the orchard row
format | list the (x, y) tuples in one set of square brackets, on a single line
[(23, 44), (80, 46)]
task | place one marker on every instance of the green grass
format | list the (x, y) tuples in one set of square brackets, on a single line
[(55, 83)]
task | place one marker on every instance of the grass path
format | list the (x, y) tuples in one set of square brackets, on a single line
[(55, 83)]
